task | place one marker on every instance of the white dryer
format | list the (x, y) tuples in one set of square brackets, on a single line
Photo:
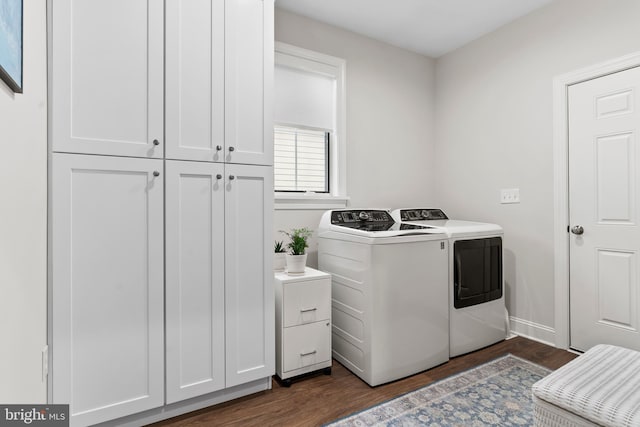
[(477, 311), (389, 293)]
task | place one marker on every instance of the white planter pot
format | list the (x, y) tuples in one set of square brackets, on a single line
[(279, 261), (296, 263)]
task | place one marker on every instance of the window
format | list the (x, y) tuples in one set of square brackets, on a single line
[(309, 136), (301, 159)]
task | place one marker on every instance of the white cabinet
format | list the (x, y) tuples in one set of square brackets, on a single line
[(249, 273), (107, 307), (195, 312), (219, 68), (115, 61), (130, 203), (303, 323), (107, 295), (220, 307), (107, 77)]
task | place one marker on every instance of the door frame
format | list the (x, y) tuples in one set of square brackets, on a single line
[(561, 85)]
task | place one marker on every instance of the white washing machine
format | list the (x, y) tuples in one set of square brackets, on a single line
[(477, 311), (389, 293)]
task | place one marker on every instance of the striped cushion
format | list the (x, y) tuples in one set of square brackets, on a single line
[(602, 385)]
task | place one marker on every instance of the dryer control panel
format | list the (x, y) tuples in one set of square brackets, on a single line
[(422, 214)]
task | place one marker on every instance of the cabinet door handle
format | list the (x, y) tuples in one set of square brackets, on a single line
[(231, 148), (232, 177), (156, 142), (306, 310), (218, 176), (309, 353), (156, 173), (218, 147)]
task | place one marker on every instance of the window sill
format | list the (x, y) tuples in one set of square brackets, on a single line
[(308, 201)]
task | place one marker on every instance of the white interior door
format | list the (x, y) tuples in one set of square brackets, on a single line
[(603, 202)]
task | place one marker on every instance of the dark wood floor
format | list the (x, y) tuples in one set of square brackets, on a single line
[(319, 399)]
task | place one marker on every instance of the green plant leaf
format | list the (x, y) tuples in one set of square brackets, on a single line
[(298, 242)]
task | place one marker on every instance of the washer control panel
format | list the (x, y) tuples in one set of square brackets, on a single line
[(356, 216), (370, 220), (422, 214)]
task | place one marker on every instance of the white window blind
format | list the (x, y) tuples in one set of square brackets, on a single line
[(304, 98), (301, 160)]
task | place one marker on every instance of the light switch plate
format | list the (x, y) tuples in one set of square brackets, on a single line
[(510, 195)]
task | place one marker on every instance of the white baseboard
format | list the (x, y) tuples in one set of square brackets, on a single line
[(190, 405), (533, 331)]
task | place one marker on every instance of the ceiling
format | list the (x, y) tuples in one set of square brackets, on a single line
[(428, 27)]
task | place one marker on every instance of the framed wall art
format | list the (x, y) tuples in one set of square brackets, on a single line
[(11, 43)]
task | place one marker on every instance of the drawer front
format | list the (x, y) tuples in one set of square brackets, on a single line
[(306, 302), (306, 345)]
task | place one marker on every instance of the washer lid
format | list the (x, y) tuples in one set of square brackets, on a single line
[(371, 223), (458, 228)]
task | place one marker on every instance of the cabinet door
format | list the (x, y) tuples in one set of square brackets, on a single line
[(250, 328), (195, 279), (249, 81), (195, 80), (107, 286), (107, 77)]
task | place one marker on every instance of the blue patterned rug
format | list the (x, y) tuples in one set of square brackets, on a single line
[(497, 393)]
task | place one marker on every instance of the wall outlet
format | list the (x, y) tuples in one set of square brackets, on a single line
[(510, 195)]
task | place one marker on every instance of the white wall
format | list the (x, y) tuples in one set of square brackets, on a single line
[(390, 110), (23, 220), (494, 130)]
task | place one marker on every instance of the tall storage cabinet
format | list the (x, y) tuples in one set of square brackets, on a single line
[(107, 285), (161, 202)]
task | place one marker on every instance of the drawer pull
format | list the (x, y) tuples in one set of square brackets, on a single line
[(308, 354), (306, 310)]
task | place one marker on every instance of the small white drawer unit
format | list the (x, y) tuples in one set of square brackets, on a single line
[(303, 324)]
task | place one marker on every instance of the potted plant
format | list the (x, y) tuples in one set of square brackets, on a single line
[(297, 257), (278, 256)]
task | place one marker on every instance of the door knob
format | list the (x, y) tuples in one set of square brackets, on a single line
[(577, 229), (218, 176), (156, 142), (231, 148), (156, 173), (231, 177), (218, 147)]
